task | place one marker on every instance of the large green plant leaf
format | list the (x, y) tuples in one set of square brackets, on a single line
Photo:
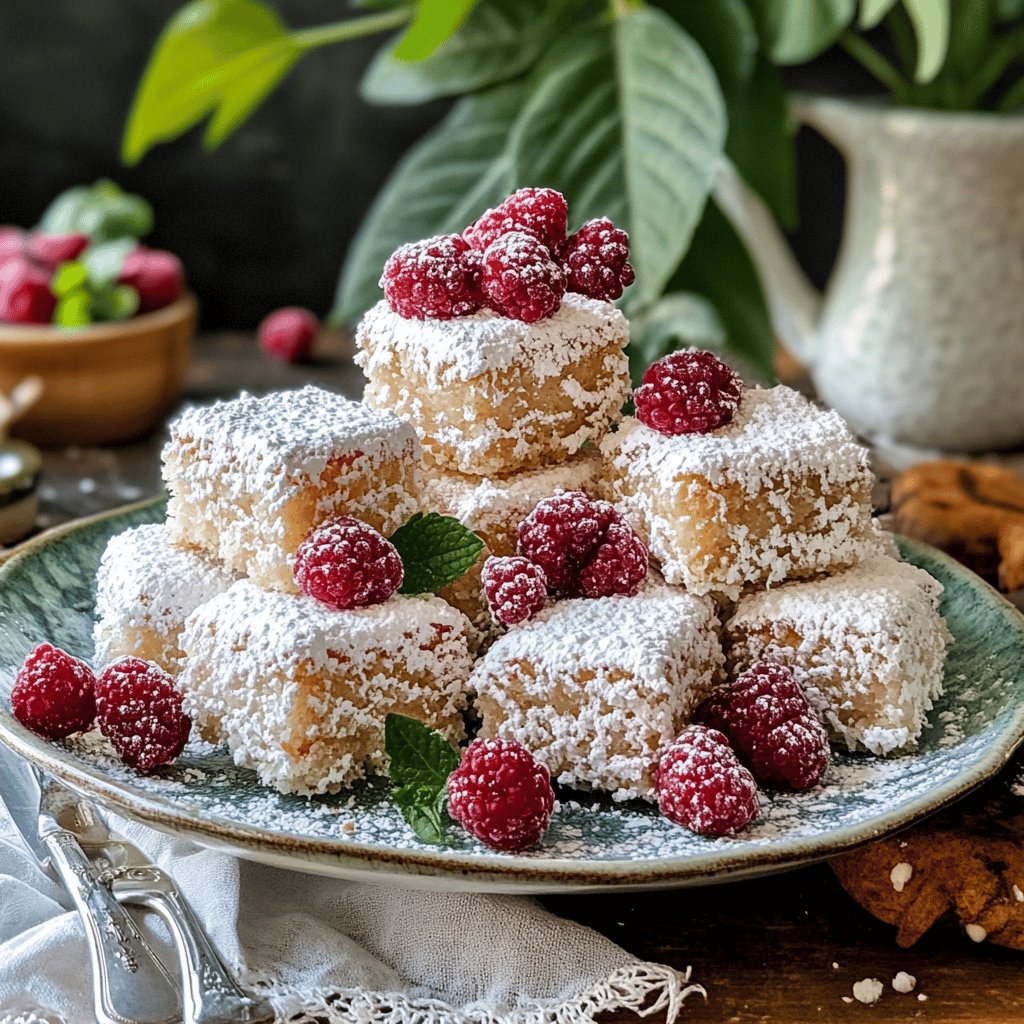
[(215, 57), (433, 22), (627, 120), (442, 184), (873, 11), (724, 30), (499, 40), (794, 31), (677, 320), (931, 26)]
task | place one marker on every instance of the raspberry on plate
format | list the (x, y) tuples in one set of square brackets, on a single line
[(541, 212), (570, 537), (501, 794), (772, 726), (53, 693), (702, 785), (347, 564), (436, 279), (521, 279), (288, 334), (688, 392), (140, 712), (595, 260), (515, 588)]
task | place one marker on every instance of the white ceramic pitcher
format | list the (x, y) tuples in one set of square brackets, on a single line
[(920, 336)]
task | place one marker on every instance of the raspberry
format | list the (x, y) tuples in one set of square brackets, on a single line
[(515, 588), (156, 275), (703, 786), (53, 250), (12, 242), (770, 723), (347, 564), (53, 693), (596, 260), (501, 794), (520, 278), (690, 392), (540, 212), (583, 546), (288, 334), (438, 279), (25, 296), (139, 711)]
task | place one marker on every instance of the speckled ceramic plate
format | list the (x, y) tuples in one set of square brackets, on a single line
[(46, 592)]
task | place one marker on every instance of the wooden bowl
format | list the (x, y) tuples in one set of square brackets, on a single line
[(104, 383)]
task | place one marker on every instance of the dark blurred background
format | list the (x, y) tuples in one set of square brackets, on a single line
[(265, 220)]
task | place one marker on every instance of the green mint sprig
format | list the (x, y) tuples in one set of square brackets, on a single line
[(435, 551), (87, 290), (421, 761)]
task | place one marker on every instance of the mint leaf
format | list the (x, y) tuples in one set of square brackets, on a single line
[(69, 277), (421, 761), (102, 211), (104, 260), (74, 310), (115, 302), (435, 550)]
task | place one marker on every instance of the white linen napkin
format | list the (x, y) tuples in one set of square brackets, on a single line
[(327, 951)]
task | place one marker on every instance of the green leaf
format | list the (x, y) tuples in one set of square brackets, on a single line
[(104, 260), (434, 22), (215, 57), (102, 211), (499, 40), (435, 551), (423, 811), (930, 19), (442, 184), (114, 302), (628, 121), (794, 31), (1009, 10), (873, 11), (73, 310), (69, 277), (677, 320)]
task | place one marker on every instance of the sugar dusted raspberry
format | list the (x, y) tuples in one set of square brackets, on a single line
[(436, 279), (689, 392), (288, 334), (53, 693), (25, 296), (156, 275), (346, 563), (541, 212), (515, 588), (521, 280), (702, 785), (53, 250), (501, 794), (596, 260), (140, 712), (618, 565), (772, 726)]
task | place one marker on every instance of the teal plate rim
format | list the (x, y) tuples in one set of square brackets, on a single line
[(448, 869)]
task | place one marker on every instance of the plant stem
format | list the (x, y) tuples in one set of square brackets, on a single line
[(868, 57), (351, 28)]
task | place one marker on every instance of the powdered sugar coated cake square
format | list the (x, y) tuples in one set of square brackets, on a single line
[(299, 691), (249, 478), (146, 588), (488, 394), (782, 491), (868, 645), (595, 687)]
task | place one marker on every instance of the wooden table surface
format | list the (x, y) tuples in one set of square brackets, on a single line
[(784, 948)]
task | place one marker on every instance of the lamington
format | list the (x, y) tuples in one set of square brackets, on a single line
[(146, 588), (488, 394), (595, 687), (299, 691), (868, 646), (250, 477), (783, 491)]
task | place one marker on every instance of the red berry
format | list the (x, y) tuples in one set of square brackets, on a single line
[(12, 242), (537, 211), (521, 280), (618, 565), (288, 334), (140, 712), (703, 786), (515, 588), (347, 564), (596, 260), (438, 279), (772, 726), (501, 794), (25, 296), (53, 693), (53, 250), (156, 275), (689, 392)]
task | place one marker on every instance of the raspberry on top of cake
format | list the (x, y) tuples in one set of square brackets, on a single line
[(249, 478)]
